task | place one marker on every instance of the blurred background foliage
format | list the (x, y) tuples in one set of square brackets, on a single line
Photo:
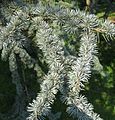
[(100, 90)]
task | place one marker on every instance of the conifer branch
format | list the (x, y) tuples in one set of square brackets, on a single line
[(52, 49), (34, 24), (80, 73)]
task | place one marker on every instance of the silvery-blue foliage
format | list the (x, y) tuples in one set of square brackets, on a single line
[(42, 25)]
